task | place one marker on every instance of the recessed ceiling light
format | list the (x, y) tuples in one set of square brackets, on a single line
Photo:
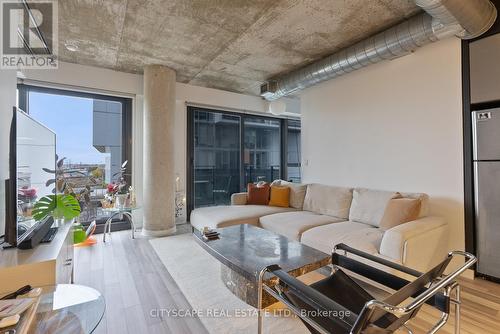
[(71, 46)]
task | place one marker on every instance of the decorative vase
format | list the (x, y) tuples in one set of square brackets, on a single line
[(120, 200)]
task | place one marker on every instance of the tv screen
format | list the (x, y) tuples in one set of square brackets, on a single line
[(34, 155)]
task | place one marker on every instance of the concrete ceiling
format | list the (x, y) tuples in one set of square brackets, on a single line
[(232, 45)]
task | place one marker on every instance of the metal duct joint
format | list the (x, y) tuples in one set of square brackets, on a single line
[(473, 17), (442, 18)]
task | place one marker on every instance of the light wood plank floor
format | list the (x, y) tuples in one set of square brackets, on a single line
[(133, 281)]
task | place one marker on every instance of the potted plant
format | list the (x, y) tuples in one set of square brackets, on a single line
[(59, 206), (121, 196), (119, 189)]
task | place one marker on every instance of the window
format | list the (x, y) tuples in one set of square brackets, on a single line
[(262, 155), (226, 151), (293, 151), (216, 157), (92, 136)]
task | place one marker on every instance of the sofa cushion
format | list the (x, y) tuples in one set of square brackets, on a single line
[(222, 216), (328, 200), (400, 211), (297, 194), (293, 224), (368, 206), (358, 235)]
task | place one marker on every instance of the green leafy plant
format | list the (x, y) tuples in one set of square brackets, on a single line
[(57, 206)]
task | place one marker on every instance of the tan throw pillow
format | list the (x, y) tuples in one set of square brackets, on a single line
[(297, 194), (368, 205), (400, 211)]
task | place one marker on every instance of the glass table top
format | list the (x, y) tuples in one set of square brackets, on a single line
[(124, 209), (68, 308)]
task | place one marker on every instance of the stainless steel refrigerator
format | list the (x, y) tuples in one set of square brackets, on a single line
[(486, 136)]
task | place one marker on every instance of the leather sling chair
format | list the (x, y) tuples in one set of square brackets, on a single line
[(338, 304)]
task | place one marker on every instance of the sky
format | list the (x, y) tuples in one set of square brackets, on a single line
[(71, 119)]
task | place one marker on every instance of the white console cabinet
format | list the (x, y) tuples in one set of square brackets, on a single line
[(46, 264)]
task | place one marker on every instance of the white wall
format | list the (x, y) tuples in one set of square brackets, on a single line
[(396, 126), (88, 78), (7, 102)]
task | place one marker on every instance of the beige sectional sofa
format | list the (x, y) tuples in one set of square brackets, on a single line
[(322, 216)]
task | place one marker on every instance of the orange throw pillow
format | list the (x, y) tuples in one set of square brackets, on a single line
[(280, 196), (258, 195)]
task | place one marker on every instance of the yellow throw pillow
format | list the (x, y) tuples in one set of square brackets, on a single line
[(280, 196)]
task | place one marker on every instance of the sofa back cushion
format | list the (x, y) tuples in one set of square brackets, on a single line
[(258, 195), (368, 206), (400, 211), (328, 200), (297, 193)]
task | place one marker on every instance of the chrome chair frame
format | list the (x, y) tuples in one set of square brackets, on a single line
[(446, 284)]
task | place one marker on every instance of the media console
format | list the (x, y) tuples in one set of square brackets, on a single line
[(46, 264)]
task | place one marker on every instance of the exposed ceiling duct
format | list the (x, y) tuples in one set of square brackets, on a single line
[(441, 19)]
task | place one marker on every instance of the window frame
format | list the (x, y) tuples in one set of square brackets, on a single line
[(190, 143), (127, 103)]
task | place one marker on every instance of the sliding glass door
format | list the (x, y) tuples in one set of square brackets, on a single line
[(216, 172), (227, 150), (262, 154)]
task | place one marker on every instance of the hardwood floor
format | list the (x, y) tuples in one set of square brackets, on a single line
[(134, 281), (480, 310)]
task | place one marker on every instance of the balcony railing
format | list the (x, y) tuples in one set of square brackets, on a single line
[(214, 186)]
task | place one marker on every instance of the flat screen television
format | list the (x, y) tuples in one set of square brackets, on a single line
[(32, 153)]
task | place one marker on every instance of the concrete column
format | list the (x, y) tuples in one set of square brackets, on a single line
[(158, 159)]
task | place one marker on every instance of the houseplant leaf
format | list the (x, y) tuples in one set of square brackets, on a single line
[(57, 206)]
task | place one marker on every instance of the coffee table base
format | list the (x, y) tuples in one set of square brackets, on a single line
[(244, 289)]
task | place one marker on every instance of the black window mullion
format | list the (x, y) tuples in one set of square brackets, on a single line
[(284, 149), (23, 98), (190, 195), (243, 186), (127, 138)]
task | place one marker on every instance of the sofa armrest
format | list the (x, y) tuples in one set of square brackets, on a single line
[(418, 244), (239, 199)]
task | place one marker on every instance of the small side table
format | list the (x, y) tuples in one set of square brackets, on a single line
[(68, 308), (127, 212)]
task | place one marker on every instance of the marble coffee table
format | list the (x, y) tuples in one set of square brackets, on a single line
[(244, 250)]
